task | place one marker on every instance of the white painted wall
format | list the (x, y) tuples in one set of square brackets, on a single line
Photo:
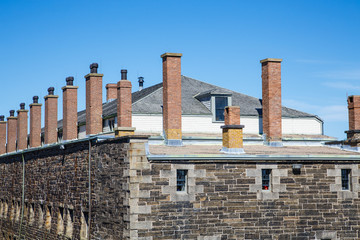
[(301, 126)]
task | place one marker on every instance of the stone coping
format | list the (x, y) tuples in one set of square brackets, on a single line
[(271, 60), (22, 110), (51, 96), (69, 87), (232, 126), (93, 75), (35, 104), (171, 55), (352, 131)]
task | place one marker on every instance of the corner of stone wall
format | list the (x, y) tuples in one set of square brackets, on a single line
[(137, 163)]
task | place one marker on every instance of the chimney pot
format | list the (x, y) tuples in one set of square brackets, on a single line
[(2, 118), (123, 74), (22, 106), (141, 83), (35, 99), (93, 67), (70, 81), (51, 90), (12, 112)]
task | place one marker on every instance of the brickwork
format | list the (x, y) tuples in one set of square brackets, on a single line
[(2, 137), (11, 134), (69, 112), (35, 124), (124, 109), (271, 99), (51, 117), (111, 91), (172, 95), (22, 129), (354, 112), (93, 103), (232, 115)]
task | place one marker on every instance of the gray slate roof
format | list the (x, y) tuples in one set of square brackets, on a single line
[(149, 101)]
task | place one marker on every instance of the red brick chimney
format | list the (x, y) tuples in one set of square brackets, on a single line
[(354, 112), (111, 91), (35, 123), (172, 98), (69, 110), (2, 134), (93, 101), (51, 111), (232, 131), (124, 109), (11, 132), (22, 127), (271, 101)]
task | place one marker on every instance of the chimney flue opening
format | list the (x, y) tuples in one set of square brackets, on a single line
[(51, 91), (123, 74), (2, 118), (93, 67), (22, 106), (35, 99), (70, 81), (12, 112)]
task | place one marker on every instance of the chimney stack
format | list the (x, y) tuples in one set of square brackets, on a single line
[(353, 134), (2, 134), (232, 131), (111, 91), (93, 101), (124, 110), (271, 101), (172, 98), (69, 110), (141, 83), (51, 116), (22, 127), (35, 123), (11, 132)]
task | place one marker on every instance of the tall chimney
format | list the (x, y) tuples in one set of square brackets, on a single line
[(141, 83), (111, 91), (172, 98), (93, 100), (69, 109), (271, 101), (354, 112), (2, 134), (35, 122), (11, 132), (51, 116), (22, 127), (124, 109), (232, 131)]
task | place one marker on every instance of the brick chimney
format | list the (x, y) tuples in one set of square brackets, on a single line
[(51, 112), (11, 132), (271, 101), (2, 134), (69, 110), (124, 109), (22, 127), (353, 134), (35, 123), (111, 91), (93, 101), (232, 131), (172, 98)]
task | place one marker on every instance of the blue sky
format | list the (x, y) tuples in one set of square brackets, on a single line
[(43, 42)]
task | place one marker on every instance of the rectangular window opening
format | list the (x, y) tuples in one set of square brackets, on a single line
[(181, 180), (220, 104), (345, 179), (265, 176)]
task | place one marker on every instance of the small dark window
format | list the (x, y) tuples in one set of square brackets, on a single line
[(181, 177), (345, 179), (220, 104), (265, 175)]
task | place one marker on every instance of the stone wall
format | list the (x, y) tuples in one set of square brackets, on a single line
[(56, 197)]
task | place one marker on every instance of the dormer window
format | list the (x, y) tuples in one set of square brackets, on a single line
[(220, 104)]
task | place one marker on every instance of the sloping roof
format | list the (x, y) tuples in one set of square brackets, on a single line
[(149, 101)]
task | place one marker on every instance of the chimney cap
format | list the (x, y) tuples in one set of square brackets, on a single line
[(35, 99), (271, 60), (141, 79), (94, 67), (70, 81), (171, 55), (123, 74), (2, 118), (51, 90), (22, 106), (12, 112)]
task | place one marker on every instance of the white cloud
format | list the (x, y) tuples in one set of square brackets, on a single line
[(342, 85), (352, 74)]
